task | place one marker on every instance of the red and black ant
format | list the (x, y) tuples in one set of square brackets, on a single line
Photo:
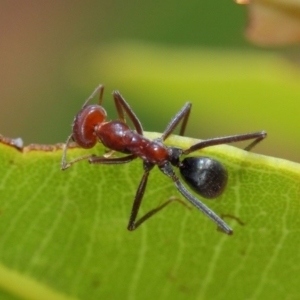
[(206, 176)]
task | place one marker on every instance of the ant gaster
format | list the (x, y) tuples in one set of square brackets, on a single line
[(206, 176)]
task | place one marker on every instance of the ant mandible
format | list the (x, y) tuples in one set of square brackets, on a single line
[(205, 175)]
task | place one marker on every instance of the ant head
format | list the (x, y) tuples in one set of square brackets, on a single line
[(84, 125)]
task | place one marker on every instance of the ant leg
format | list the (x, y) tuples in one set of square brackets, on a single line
[(99, 89), (168, 170), (255, 142), (152, 212), (138, 200), (184, 114), (64, 164), (121, 104), (110, 161), (109, 153), (258, 136), (92, 158), (118, 100), (99, 160), (234, 218)]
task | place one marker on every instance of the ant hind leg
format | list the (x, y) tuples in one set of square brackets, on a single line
[(257, 136), (183, 115)]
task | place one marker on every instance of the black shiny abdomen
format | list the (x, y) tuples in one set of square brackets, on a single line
[(204, 175)]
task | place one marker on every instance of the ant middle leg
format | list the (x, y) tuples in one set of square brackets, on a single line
[(133, 224), (257, 136), (121, 106), (154, 211), (138, 200)]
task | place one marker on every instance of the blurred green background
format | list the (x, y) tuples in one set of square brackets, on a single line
[(159, 54)]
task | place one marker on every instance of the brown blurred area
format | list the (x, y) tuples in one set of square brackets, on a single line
[(36, 38)]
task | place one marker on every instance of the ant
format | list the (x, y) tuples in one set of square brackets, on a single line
[(204, 175)]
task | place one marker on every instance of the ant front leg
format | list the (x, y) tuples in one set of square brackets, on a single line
[(111, 161), (99, 89), (93, 159), (64, 164), (183, 115), (258, 136), (121, 104)]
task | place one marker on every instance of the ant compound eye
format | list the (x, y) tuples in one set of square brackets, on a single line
[(84, 125), (204, 175)]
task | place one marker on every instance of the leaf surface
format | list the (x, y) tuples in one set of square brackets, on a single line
[(63, 234)]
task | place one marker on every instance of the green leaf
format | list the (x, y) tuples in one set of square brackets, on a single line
[(63, 234)]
